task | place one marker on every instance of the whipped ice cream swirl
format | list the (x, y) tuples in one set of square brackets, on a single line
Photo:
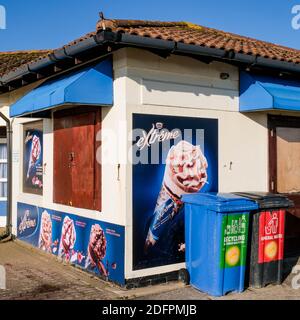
[(97, 244), (186, 169), (68, 236), (45, 239), (97, 248)]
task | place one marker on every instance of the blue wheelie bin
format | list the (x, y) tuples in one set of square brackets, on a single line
[(216, 236)]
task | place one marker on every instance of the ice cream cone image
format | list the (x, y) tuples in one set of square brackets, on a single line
[(35, 152), (68, 238), (97, 249), (185, 172), (232, 256), (45, 238), (271, 250), (185, 169)]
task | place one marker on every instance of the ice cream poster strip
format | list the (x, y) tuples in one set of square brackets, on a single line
[(93, 245)]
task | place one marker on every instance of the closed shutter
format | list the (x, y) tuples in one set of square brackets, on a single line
[(75, 165), (62, 179)]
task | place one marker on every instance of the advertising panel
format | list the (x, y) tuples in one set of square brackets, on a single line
[(171, 156), (33, 161), (93, 245)]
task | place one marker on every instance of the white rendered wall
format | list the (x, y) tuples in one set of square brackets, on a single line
[(180, 86), (113, 182)]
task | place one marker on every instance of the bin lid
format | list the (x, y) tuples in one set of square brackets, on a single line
[(220, 202), (266, 200)]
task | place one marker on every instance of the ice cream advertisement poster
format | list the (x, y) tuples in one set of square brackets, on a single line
[(33, 159), (93, 245), (172, 156)]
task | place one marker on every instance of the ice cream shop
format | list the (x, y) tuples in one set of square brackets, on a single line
[(107, 133)]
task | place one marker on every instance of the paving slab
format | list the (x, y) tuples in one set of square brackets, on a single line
[(32, 274), (270, 292)]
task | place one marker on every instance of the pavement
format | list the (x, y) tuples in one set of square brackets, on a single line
[(288, 290), (34, 275)]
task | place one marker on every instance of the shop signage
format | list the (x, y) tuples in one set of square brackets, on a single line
[(155, 135), (93, 245), (185, 151), (27, 223)]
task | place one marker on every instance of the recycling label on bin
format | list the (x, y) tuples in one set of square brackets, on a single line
[(234, 240), (271, 236)]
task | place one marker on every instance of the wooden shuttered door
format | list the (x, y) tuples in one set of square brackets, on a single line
[(77, 173)]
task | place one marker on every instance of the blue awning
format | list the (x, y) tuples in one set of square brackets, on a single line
[(260, 93), (89, 86)]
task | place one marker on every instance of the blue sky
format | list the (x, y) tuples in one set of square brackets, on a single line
[(46, 24)]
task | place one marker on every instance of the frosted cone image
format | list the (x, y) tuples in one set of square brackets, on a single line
[(97, 249), (185, 173), (68, 238), (185, 169), (45, 238), (35, 153)]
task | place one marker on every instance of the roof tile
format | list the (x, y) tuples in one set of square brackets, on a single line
[(183, 32), (199, 35), (12, 60)]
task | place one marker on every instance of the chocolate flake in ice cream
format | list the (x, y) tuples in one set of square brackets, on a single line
[(68, 238), (97, 249)]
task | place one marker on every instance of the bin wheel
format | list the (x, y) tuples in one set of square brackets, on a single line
[(184, 276)]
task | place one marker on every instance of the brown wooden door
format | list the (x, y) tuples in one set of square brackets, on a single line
[(62, 179), (76, 168), (83, 180), (284, 159)]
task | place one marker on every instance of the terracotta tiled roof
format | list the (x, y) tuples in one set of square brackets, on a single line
[(182, 32), (86, 36), (12, 60), (189, 33)]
